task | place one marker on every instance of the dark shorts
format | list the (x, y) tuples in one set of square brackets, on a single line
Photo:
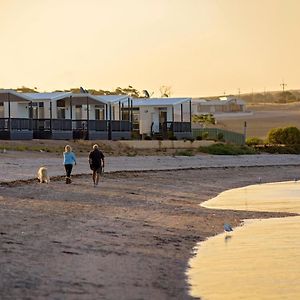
[(97, 169)]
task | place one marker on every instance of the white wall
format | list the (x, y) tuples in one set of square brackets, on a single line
[(17, 110), (146, 119)]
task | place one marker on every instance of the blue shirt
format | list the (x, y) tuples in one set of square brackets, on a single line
[(69, 158)]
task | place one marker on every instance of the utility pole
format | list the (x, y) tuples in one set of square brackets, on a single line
[(283, 84)]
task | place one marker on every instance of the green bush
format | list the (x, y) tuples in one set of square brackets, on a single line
[(227, 149), (254, 141), (220, 136), (281, 149), (205, 135), (173, 138), (285, 136), (199, 137), (184, 153), (148, 138), (191, 139), (135, 135)]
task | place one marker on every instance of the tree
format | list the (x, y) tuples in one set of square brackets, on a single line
[(130, 91), (204, 119), (285, 136), (146, 94), (165, 91), (25, 89)]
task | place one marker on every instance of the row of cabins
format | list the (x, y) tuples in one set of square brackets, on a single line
[(65, 115)]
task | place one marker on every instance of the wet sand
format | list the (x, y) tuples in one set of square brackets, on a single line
[(129, 238)]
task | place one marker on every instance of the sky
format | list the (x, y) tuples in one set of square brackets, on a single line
[(197, 47)]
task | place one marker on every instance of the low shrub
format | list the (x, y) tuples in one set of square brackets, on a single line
[(287, 136), (135, 135), (159, 138), (254, 141), (227, 149), (281, 149), (220, 136), (205, 135), (173, 138), (199, 138), (148, 138), (184, 153), (191, 139)]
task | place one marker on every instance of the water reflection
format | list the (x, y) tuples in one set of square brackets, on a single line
[(260, 260), (227, 238)]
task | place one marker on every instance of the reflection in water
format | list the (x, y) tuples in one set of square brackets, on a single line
[(227, 238), (262, 261)]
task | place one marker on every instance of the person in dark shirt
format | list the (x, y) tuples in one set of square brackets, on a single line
[(96, 160)]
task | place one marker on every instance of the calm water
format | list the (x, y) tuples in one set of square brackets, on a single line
[(260, 260)]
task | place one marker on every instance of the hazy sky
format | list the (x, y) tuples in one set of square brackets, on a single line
[(198, 47)]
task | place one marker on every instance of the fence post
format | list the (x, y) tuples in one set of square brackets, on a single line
[(245, 131)]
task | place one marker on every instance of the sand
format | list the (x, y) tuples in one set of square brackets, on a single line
[(129, 238)]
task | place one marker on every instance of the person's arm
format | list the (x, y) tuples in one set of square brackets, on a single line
[(74, 158), (102, 158)]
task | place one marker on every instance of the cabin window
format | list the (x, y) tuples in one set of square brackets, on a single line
[(136, 119), (38, 110), (99, 112), (78, 112), (61, 109)]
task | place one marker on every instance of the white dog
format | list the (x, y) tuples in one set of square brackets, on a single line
[(42, 175)]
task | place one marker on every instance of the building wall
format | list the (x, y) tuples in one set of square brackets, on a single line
[(17, 110), (147, 113)]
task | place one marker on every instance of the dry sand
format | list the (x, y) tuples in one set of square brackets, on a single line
[(129, 238)]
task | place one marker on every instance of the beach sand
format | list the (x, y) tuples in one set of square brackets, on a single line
[(129, 238)]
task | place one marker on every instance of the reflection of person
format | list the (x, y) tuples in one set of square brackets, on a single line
[(69, 161), (96, 160)]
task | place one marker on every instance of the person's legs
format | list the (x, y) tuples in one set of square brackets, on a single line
[(97, 177), (68, 172), (94, 177)]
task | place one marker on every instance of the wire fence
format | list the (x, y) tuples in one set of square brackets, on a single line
[(219, 134)]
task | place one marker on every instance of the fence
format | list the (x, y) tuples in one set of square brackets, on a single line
[(214, 133)]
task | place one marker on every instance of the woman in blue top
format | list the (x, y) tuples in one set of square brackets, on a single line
[(69, 161)]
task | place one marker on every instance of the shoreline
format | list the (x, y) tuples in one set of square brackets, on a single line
[(131, 238)]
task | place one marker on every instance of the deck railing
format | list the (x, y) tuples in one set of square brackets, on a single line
[(63, 124), (177, 126), (15, 124), (51, 124)]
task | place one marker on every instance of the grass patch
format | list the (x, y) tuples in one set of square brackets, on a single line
[(32, 148), (227, 149)]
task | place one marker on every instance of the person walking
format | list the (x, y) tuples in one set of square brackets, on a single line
[(69, 161), (96, 161)]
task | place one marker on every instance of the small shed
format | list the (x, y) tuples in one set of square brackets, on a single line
[(165, 117)]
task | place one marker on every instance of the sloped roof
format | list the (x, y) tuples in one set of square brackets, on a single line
[(48, 96), (159, 101), (82, 99), (112, 98), (14, 96)]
